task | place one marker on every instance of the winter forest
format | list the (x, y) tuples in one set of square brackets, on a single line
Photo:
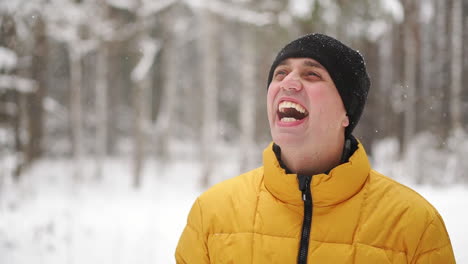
[(116, 114)]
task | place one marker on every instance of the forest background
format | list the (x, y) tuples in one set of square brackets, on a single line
[(97, 78), (154, 83)]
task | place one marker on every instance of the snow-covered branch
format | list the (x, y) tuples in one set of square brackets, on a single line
[(145, 9), (8, 59), (152, 7), (149, 48), (19, 84), (233, 12)]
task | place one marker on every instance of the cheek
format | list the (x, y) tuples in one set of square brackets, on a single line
[(271, 94), (319, 97), (328, 101)]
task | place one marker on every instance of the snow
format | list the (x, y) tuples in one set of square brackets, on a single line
[(20, 84), (232, 12), (301, 8), (424, 160), (427, 12), (123, 4), (376, 29), (451, 203), (394, 8), (8, 59), (47, 218), (151, 7), (149, 49), (9, 6), (331, 11)]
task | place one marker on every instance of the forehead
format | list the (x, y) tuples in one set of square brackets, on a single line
[(307, 62)]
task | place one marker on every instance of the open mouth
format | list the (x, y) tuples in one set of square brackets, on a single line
[(291, 112)]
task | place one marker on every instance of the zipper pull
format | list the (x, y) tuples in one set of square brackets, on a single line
[(304, 185)]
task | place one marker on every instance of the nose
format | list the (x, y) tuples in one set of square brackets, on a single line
[(291, 82)]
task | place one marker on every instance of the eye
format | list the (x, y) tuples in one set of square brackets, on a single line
[(312, 75), (280, 74)]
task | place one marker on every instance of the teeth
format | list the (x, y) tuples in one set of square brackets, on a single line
[(287, 104), (288, 119)]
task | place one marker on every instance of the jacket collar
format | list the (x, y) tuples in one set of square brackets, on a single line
[(338, 185)]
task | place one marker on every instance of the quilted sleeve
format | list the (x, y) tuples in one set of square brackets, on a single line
[(434, 246), (192, 247)]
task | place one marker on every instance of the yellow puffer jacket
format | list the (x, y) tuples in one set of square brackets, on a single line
[(359, 216)]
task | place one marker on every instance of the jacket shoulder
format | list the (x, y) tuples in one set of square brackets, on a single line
[(245, 182), (401, 195), (399, 218), (230, 205)]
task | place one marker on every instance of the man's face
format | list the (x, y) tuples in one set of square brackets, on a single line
[(304, 106)]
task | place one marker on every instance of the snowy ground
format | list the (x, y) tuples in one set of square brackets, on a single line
[(47, 219)]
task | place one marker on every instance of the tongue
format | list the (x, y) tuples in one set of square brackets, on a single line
[(291, 112)]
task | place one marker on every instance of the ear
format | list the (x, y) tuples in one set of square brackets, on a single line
[(345, 122)]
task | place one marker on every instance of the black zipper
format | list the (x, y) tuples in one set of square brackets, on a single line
[(304, 186)]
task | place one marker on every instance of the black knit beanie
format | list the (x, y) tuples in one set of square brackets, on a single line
[(345, 66)]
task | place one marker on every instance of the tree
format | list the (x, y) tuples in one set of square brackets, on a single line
[(410, 61), (247, 98), (164, 125), (139, 76), (210, 107), (101, 105), (20, 97), (440, 76), (69, 27), (456, 68), (148, 48), (36, 100)]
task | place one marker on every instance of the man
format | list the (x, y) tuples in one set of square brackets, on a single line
[(315, 199)]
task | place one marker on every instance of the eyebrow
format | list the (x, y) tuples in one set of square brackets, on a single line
[(306, 63), (313, 64), (283, 62)]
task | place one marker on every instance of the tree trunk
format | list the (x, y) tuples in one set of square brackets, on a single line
[(35, 100), (138, 132), (210, 105), (76, 110), (142, 83), (426, 67), (386, 79), (115, 97), (409, 114), (247, 99), (165, 118), (101, 109), (441, 124), (456, 66), (18, 127)]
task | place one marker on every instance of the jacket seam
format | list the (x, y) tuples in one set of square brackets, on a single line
[(359, 224), (383, 248), (255, 218), (193, 228), (201, 214), (386, 178), (318, 241), (205, 239), (247, 232), (420, 240), (364, 201), (432, 250)]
